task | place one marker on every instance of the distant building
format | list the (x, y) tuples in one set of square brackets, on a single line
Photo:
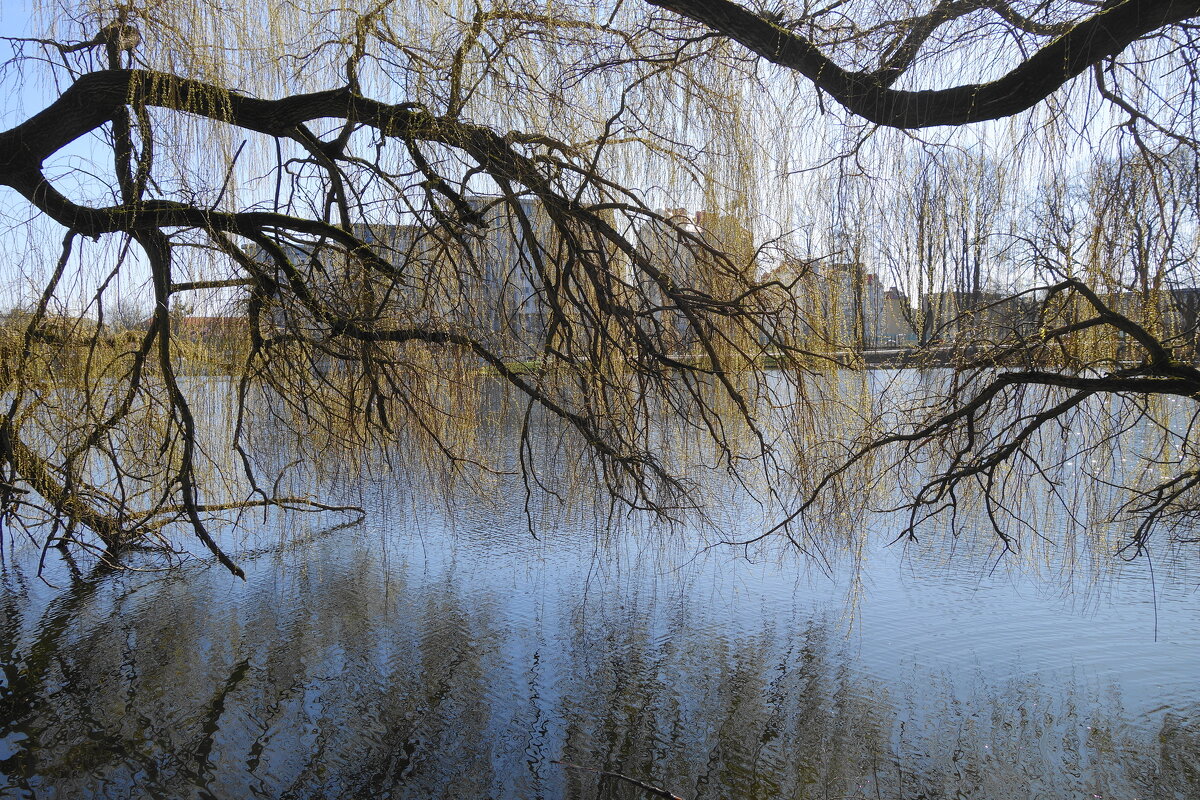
[(1183, 308), (965, 317), (842, 307), (482, 279), (415, 282), (896, 326), (511, 253), (1173, 315), (706, 254), (834, 306), (840, 301)]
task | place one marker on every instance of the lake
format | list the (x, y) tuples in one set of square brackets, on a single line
[(455, 644)]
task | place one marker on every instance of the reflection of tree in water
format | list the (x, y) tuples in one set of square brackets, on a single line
[(276, 697), (1178, 769), (328, 675), (722, 715)]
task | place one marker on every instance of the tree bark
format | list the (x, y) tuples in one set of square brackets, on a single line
[(868, 95)]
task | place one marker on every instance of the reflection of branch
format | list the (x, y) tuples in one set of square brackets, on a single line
[(211, 724), (654, 790)]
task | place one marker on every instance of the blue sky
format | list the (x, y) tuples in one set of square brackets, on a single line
[(31, 244)]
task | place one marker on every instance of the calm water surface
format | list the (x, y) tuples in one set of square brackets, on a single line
[(440, 650)]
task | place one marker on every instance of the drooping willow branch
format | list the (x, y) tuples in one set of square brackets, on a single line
[(611, 310), (963, 422), (581, 281)]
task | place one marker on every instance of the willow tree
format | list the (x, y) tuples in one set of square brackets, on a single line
[(409, 199)]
